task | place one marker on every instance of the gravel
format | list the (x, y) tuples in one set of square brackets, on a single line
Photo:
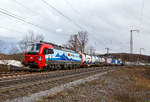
[(123, 85), (57, 89)]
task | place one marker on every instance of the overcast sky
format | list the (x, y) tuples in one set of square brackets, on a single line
[(108, 22)]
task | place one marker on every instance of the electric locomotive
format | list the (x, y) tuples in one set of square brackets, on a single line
[(49, 55)]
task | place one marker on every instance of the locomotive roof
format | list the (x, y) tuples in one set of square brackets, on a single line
[(58, 46)]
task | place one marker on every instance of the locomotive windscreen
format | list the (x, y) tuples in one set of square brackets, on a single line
[(33, 49)]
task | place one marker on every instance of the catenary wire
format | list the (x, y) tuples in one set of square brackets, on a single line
[(69, 19), (23, 20)]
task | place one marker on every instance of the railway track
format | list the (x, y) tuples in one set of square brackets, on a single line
[(12, 74), (43, 81), (15, 71), (39, 76), (18, 72)]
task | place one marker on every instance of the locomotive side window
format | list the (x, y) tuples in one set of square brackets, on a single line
[(48, 51)]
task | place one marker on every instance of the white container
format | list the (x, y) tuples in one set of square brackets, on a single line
[(88, 59), (109, 60)]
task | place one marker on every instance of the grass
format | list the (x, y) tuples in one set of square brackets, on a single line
[(138, 91), (80, 85), (129, 85), (126, 98), (70, 91), (53, 96), (19, 57), (94, 82)]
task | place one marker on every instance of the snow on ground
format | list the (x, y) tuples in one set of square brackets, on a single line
[(11, 62)]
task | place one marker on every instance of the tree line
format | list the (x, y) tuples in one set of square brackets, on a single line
[(77, 42)]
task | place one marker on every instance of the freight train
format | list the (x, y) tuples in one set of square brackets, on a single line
[(46, 55)]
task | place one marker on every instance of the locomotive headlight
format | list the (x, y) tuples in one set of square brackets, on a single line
[(40, 58)]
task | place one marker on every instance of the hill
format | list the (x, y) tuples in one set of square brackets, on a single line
[(129, 57)]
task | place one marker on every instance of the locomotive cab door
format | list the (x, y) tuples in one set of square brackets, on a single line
[(48, 54)]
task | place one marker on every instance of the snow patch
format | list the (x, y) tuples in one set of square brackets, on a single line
[(11, 62)]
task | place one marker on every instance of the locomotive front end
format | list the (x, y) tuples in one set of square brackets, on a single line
[(33, 58)]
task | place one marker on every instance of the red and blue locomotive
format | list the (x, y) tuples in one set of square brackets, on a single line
[(48, 55)]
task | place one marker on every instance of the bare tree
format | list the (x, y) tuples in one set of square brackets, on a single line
[(31, 37), (83, 40), (77, 42), (73, 43)]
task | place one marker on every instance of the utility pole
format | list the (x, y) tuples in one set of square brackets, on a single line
[(76, 41), (107, 50), (140, 53), (131, 40), (92, 50), (131, 43), (141, 50)]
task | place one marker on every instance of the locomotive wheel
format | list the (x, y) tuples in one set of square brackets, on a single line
[(69, 66), (52, 67), (58, 67)]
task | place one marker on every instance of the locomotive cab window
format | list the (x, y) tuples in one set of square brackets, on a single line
[(45, 51), (33, 48)]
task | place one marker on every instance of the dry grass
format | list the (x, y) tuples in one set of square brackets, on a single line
[(19, 57), (125, 85), (4, 68), (138, 91), (94, 82), (54, 96), (126, 98), (70, 91), (80, 85)]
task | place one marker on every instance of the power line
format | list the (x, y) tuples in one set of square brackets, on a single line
[(10, 13), (67, 2), (22, 5), (25, 7), (29, 9), (21, 19), (7, 13), (75, 10), (3, 11), (59, 12), (10, 29), (78, 13)]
